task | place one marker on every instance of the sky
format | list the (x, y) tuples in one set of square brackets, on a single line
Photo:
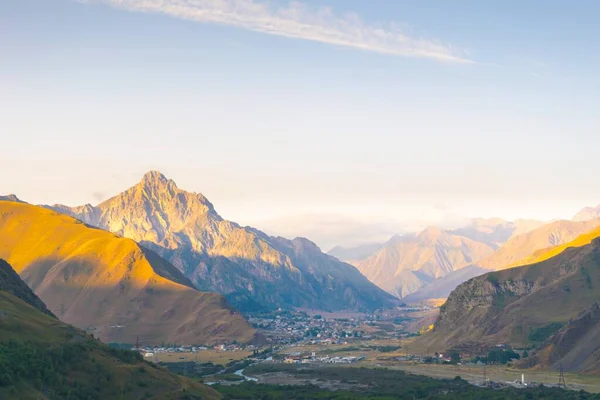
[(345, 121)]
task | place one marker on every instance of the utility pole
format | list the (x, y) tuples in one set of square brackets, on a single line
[(485, 378), (561, 378)]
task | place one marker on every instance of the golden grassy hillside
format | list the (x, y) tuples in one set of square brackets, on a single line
[(545, 254), (93, 279)]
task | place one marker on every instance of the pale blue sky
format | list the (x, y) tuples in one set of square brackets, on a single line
[(481, 108)]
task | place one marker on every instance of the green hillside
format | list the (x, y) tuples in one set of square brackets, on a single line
[(43, 358)]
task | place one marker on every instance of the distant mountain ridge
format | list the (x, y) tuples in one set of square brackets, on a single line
[(495, 232), (353, 255), (523, 305), (587, 214), (525, 241), (521, 249), (400, 265), (407, 263), (119, 290), (246, 265)]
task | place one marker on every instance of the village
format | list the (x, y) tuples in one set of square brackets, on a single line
[(292, 327), (299, 358)]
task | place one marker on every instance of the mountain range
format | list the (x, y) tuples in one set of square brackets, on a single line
[(430, 264), (587, 213), (522, 249), (540, 305), (42, 357), (110, 285), (407, 263), (253, 270)]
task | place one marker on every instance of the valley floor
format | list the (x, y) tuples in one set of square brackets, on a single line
[(474, 374)]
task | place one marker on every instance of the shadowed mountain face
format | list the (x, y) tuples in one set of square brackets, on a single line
[(10, 197), (36, 347), (11, 283), (525, 305), (252, 269), (407, 263), (575, 347), (93, 279)]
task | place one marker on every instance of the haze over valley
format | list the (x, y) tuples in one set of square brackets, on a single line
[(275, 199)]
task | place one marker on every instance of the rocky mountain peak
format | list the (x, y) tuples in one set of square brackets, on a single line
[(155, 179)]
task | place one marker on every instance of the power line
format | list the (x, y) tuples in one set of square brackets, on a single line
[(561, 378)]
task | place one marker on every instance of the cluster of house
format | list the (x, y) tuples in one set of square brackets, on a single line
[(149, 351), (292, 327), (299, 358)]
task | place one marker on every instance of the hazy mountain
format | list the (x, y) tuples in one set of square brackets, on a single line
[(496, 231), (442, 287), (525, 305), (407, 263), (491, 231), (93, 279), (587, 214), (49, 359), (353, 255), (249, 267), (521, 249), (518, 250)]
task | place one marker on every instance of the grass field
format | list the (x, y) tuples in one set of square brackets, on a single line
[(367, 349), (499, 373), (473, 374), (350, 382), (213, 356)]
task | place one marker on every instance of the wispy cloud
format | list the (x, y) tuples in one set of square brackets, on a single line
[(300, 21)]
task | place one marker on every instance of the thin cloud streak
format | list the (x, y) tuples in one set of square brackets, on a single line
[(298, 21)]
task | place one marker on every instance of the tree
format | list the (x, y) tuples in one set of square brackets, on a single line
[(454, 357)]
